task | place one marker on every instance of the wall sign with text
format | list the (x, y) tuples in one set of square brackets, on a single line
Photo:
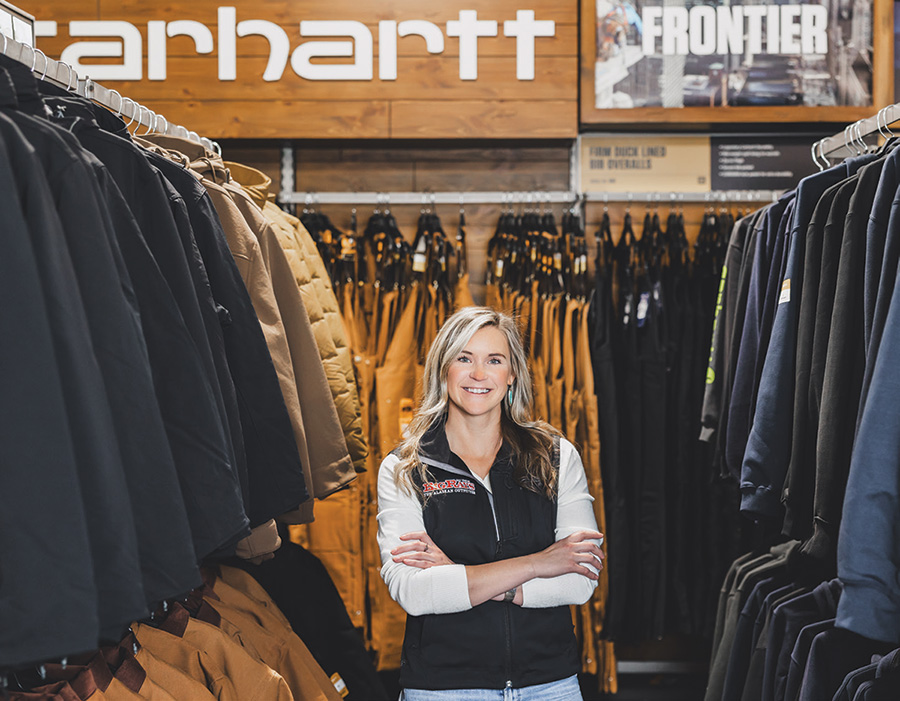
[(656, 55), (693, 164), (341, 69), (624, 163), (345, 39)]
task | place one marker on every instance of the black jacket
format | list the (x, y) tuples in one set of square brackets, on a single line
[(50, 588), (167, 558), (495, 644), (274, 472)]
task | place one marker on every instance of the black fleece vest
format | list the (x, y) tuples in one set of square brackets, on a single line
[(495, 644)]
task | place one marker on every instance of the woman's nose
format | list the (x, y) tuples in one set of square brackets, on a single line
[(477, 371)]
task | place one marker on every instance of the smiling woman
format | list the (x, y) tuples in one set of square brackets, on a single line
[(480, 377), (485, 527)]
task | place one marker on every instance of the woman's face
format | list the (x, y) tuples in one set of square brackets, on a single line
[(480, 375)]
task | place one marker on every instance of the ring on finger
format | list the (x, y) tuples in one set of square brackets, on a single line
[(426, 547)]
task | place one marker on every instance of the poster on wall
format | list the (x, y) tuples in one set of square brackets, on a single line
[(737, 53)]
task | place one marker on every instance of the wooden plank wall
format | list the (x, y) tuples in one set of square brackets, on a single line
[(428, 100), (381, 168), (411, 168)]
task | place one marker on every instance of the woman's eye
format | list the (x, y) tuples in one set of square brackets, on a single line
[(462, 359)]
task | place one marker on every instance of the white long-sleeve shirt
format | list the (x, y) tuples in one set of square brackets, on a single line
[(444, 589)]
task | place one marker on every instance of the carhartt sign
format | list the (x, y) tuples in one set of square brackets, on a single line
[(356, 42)]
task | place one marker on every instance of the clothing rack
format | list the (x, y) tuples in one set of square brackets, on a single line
[(536, 197), (62, 74), (851, 140)]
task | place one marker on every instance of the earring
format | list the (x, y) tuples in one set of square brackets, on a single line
[(509, 395)]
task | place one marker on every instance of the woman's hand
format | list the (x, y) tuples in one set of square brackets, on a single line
[(419, 551), (572, 554)]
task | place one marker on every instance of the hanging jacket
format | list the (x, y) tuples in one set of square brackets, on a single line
[(329, 459), (321, 305), (36, 439), (274, 471)]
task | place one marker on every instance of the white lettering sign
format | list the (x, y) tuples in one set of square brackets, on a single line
[(128, 47), (346, 39), (704, 30)]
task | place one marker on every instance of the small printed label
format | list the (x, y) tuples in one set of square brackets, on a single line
[(785, 292), (643, 306), (419, 262), (498, 269), (449, 487), (339, 685)]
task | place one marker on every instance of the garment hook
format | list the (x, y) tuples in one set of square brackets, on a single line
[(823, 156), (68, 68), (854, 138), (151, 121), (119, 95), (46, 63), (139, 111), (859, 134), (156, 122), (217, 149), (878, 116), (134, 107), (73, 75), (812, 153), (853, 142), (5, 47), (886, 123), (33, 55)]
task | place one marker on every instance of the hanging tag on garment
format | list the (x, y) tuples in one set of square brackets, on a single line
[(643, 306), (339, 685), (420, 260), (498, 269), (785, 292)]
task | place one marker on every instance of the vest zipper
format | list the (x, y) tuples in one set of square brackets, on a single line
[(508, 626), (508, 646)]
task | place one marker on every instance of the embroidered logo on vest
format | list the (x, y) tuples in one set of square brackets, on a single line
[(449, 487)]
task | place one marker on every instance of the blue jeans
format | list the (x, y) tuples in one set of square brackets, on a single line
[(563, 690)]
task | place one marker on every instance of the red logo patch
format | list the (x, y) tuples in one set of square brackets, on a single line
[(454, 486)]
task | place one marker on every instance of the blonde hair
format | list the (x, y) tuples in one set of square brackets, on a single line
[(531, 441)]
